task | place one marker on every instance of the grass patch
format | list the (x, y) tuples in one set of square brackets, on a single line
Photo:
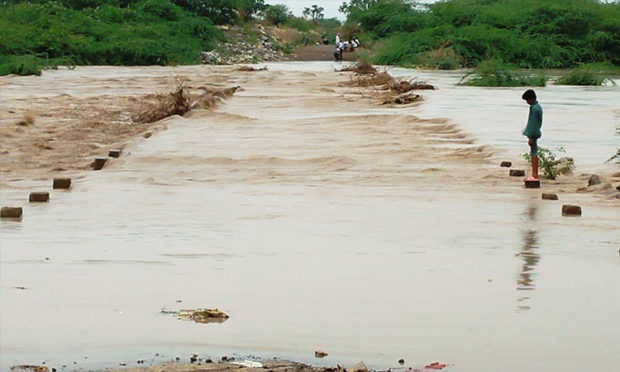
[(586, 74), (22, 65), (493, 73)]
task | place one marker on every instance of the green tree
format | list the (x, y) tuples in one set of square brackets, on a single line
[(277, 14), (355, 7), (223, 11), (48, 34), (521, 33), (314, 13)]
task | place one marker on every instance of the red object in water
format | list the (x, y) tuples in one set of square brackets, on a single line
[(436, 365)]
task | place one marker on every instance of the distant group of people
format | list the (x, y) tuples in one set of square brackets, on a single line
[(341, 46)]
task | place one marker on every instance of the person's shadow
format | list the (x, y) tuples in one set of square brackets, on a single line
[(529, 255)]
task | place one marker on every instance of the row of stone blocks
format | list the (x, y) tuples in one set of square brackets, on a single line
[(98, 163), (567, 209), (58, 183), (36, 197)]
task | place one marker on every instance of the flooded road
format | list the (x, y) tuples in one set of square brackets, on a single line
[(583, 120), (316, 224)]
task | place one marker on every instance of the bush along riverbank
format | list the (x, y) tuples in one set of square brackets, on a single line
[(539, 34), (38, 34), (153, 32), (497, 38)]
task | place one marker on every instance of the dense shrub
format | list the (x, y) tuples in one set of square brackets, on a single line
[(522, 33), (300, 24), (218, 11), (442, 58), (586, 75), (21, 65), (493, 73), (223, 11), (141, 33), (277, 14)]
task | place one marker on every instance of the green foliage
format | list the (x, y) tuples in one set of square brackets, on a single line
[(218, 11), (288, 48), (315, 12), (522, 33), (388, 17), (277, 14), (329, 24), (354, 8), (21, 65), (493, 73), (142, 33), (549, 164), (223, 11), (442, 58), (585, 75), (300, 24)]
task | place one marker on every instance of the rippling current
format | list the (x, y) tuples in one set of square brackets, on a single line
[(323, 253)]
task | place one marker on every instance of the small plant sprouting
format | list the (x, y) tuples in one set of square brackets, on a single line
[(549, 164)]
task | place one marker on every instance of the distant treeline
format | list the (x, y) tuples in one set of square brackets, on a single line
[(35, 34), (521, 33), (448, 34)]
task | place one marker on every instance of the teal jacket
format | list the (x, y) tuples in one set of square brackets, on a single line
[(534, 122)]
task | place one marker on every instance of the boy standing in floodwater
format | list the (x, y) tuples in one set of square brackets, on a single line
[(532, 129)]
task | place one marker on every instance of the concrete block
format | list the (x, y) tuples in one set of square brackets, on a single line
[(532, 184), (320, 354), (114, 153), (39, 197), (62, 183), (549, 196), (98, 163), (506, 164), (516, 173), (11, 212), (571, 210)]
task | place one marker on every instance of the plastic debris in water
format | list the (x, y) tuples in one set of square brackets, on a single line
[(436, 365), (249, 364), (203, 315)]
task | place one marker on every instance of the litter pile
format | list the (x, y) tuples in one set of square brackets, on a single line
[(212, 315)]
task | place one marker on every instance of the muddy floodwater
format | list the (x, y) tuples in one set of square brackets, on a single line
[(318, 219)]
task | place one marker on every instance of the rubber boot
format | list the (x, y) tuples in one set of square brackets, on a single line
[(535, 167)]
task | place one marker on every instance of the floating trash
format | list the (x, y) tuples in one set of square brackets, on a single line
[(199, 315)]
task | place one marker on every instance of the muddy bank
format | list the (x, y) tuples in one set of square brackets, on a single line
[(200, 364)]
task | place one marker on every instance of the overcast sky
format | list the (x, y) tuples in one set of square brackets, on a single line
[(330, 6)]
